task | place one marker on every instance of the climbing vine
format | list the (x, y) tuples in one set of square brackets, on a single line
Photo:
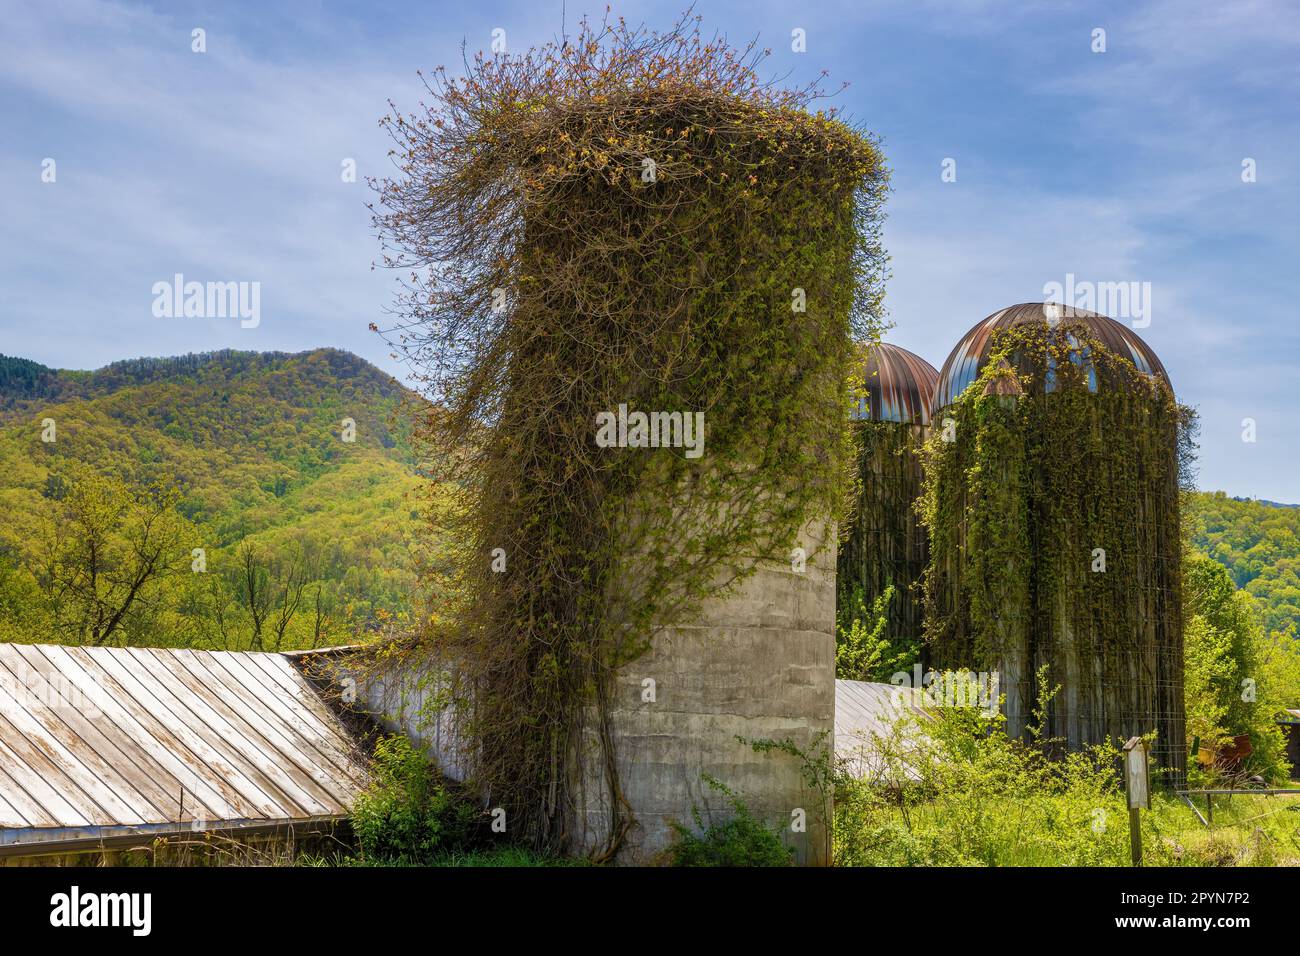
[(883, 547), (621, 218), (1052, 504)]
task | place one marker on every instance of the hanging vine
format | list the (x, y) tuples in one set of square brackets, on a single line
[(1052, 505), (883, 543)]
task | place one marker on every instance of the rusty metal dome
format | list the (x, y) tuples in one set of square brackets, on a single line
[(970, 356), (899, 386)]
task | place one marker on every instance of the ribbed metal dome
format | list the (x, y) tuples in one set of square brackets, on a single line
[(972, 352), (899, 386)]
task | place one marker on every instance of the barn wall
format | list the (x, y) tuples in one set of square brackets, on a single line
[(409, 697), (279, 847)]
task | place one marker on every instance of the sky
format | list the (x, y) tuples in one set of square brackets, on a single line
[(1022, 155)]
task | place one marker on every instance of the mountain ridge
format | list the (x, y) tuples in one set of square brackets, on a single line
[(304, 454), (26, 380)]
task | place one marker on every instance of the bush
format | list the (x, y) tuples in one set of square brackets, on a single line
[(863, 648), (1232, 684), (408, 814), (740, 840), (957, 791)]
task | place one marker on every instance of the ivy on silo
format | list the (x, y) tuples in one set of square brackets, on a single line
[(624, 217), (1059, 454), (882, 543)]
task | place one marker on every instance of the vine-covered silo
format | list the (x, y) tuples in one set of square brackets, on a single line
[(1052, 508), (884, 544), (636, 313)]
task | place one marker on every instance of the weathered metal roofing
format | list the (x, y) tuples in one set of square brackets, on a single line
[(105, 742), (971, 354), (868, 714), (899, 385)]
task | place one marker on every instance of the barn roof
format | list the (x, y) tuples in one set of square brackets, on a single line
[(99, 743), (869, 714)]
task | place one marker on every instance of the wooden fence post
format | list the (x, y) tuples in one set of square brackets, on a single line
[(1137, 785)]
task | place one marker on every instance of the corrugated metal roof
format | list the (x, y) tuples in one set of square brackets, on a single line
[(867, 714), (899, 385), (104, 741), (972, 352)]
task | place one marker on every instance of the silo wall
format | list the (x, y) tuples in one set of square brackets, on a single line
[(887, 543), (755, 663)]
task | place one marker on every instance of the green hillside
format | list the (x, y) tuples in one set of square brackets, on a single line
[(1259, 543), (306, 537)]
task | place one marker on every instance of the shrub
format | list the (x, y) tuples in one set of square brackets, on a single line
[(963, 793), (864, 650), (408, 814), (957, 791), (740, 840)]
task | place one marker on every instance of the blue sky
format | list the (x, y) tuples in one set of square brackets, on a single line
[(1122, 166)]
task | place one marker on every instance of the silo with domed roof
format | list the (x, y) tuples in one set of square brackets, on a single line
[(883, 543), (1055, 546)]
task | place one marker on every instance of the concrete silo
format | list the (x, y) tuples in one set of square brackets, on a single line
[(884, 543), (756, 662), (656, 237)]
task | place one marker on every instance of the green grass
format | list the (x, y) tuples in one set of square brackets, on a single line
[(507, 856), (1068, 830), (1248, 830), (975, 797)]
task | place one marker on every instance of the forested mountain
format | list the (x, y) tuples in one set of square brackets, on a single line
[(1259, 543), (228, 499), (277, 497)]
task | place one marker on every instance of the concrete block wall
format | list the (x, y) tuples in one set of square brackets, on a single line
[(408, 698)]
